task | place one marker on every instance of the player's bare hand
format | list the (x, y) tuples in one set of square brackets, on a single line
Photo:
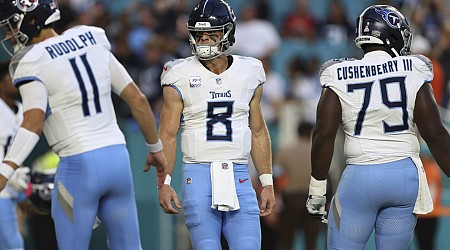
[(167, 199), (159, 161), (267, 201)]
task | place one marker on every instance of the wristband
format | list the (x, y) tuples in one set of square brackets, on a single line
[(316, 187), (21, 146), (167, 180), (266, 179), (6, 170), (155, 148)]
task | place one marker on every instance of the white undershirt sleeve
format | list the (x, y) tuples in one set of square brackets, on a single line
[(34, 96)]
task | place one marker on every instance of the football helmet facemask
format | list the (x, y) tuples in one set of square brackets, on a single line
[(384, 24), (209, 16), (42, 184), (22, 20)]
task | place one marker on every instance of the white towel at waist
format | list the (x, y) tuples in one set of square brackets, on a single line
[(424, 202), (224, 197)]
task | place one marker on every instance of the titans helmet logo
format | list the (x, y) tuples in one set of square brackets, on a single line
[(27, 5), (391, 18)]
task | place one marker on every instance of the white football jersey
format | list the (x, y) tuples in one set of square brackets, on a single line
[(215, 119), (378, 95), (10, 123), (74, 67)]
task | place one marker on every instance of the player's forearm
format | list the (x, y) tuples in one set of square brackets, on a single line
[(261, 152), (143, 115), (170, 149), (439, 147), (321, 155)]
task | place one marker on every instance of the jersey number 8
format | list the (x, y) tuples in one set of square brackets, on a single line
[(219, 117)]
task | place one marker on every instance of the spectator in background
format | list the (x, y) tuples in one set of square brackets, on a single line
[(275, 93), (273, 99), (294, 161), (300, 24), (421, 45), (166, 13), (336, 29), (305, 84), (255, 37), (142, 31), (157, 52)]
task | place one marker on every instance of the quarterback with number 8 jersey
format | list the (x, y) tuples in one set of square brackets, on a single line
[(66, 81), (214, 98), (380, 101)]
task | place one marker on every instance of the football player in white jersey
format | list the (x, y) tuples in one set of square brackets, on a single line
[(65, 82), (11, 117), (380, 101), (214, 97)]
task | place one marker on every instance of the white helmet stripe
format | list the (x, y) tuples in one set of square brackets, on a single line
[(204, 7)]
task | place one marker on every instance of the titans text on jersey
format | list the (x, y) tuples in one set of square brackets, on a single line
[(215, 122)]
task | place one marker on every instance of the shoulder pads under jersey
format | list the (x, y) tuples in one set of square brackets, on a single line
[(426, 60), (331, 62)]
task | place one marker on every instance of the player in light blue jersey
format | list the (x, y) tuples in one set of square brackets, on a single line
[(214, 98), (65, 82), (380, 101)]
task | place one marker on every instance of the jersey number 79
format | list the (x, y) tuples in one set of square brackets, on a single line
[(367, 88)]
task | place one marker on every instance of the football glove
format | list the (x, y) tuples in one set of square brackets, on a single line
[(315, 204), (316, 207), (20, 178)]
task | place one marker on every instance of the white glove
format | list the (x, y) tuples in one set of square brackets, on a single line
[(19, 180), (316, 199)]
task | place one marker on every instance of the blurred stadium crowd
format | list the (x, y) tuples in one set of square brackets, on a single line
[(292, 38)]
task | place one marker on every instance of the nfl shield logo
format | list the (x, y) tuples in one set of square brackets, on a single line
[(224, 166), (219, 81)]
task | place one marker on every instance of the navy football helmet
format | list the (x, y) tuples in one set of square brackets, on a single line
[(207, 16), (384, 24), (22, 20), (42, 184)]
